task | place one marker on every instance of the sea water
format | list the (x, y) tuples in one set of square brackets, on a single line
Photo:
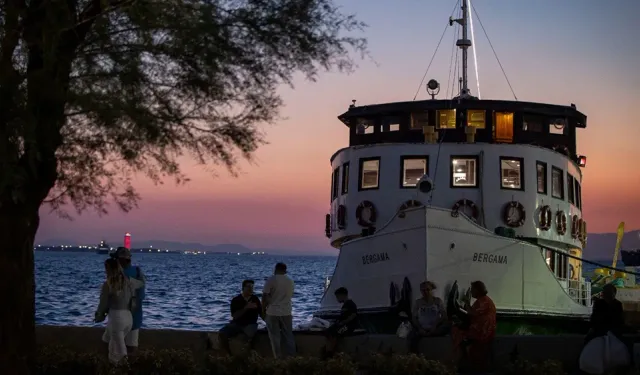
[(190, 292)]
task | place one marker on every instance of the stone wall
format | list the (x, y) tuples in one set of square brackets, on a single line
[(565, 348)]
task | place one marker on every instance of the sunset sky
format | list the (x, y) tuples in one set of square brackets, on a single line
[(575, 51)]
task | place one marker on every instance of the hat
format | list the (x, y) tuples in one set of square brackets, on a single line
[(123, 252)]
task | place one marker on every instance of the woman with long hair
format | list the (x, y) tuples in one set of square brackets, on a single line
[(117, 299)]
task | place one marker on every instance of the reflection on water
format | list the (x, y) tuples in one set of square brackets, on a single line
[(183, 291)]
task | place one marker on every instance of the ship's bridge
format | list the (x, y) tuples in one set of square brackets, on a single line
[(505, 164)]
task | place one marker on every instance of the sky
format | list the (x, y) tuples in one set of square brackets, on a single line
[(573, 51)]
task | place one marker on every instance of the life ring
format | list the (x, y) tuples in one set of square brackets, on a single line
[(342, 217), (475, 213), (545, 217), (371, 214), (410, 204), (506, 211), (583, 232), (561, 223), (575, 220)]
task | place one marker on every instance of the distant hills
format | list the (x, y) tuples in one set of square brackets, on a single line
[(599, 246), (182, 246)]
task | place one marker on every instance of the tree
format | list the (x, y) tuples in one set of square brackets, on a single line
[(95, 91)]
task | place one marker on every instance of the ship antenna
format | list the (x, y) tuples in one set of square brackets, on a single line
[(463, 43)]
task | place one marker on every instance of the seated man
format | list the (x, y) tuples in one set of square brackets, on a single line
[(245, 310), (346, 323), (607, 315), (429, 317)]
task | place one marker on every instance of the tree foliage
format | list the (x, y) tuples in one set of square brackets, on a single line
[(93, 92)]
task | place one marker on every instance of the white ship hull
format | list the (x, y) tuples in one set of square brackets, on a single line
[(432, 244)]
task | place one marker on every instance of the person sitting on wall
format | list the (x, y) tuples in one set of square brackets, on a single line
[(473, 342), (245, 310), (346, 323), (428, 317), (607, 315)]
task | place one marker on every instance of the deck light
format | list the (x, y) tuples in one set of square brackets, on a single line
[(582, 161)]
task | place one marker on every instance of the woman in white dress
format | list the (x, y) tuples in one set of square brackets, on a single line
[(117, 299)]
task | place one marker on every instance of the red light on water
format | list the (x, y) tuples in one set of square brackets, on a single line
[(127, 240)]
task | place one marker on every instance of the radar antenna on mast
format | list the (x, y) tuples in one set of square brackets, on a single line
[(463, 43)]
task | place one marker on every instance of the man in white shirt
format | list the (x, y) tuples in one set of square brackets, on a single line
[(276, 300)]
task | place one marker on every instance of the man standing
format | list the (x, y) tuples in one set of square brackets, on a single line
[(131, 340), (245, 310), (276, 299)]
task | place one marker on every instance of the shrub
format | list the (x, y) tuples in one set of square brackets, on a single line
[(523, 367), (61, 361), (379, 364)]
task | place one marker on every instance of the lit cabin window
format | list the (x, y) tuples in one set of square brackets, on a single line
[(557, 183), (336, 183), (503, 127), (345, 178), (369, 173), (557, 125), (413, 168), (446, 119), (550, 259), (419, 119), (511, 173), (464, 171), (476, 118), (571, 195), (541, 173)]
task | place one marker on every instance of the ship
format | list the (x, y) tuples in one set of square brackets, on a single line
[(103, 248), (458, 189)]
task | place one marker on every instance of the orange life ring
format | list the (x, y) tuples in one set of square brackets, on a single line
[(342, 217), (410, 204), (544, 217), (561, 223), (368, 220), (506, 211), (575, 230), (475, 212)]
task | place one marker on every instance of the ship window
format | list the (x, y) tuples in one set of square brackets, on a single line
[(541, 172), (557, 183), (464, 171), (369, 173), (413, 168), (511, 173), (364, 126), (335, 184), (532, 123), (571, 195), (550, 259), (562, 266), (446, 119), (476, 118), (578, 194), (419, 119), (345, 178), (503, 127), (557, 126)]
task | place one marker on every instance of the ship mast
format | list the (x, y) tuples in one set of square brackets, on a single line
[(464, 43)]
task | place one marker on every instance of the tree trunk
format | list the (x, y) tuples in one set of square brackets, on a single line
[(18, 226)]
